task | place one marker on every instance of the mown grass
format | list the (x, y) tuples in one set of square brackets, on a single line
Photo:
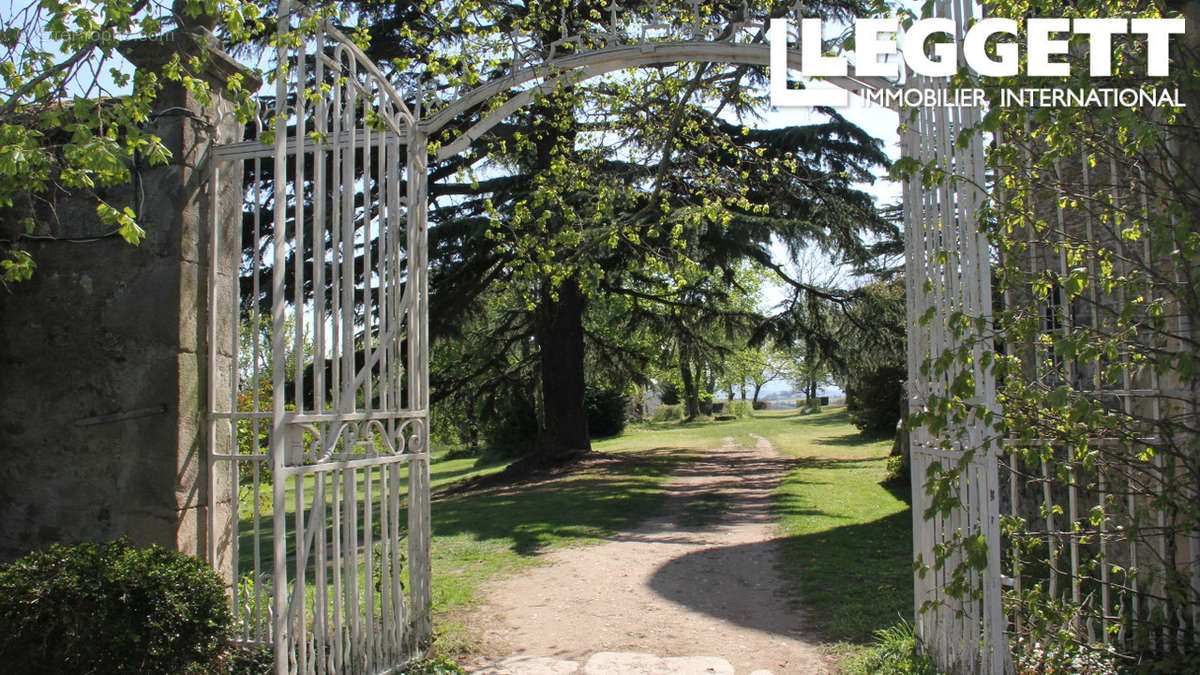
[(848, 547), (846, 537), (847, 550)]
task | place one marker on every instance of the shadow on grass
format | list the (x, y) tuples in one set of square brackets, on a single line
[(470, 468), (534, 516), (834, 462), (900, 488), (850, 440), (846, 582), (534, 512), (837, 418)]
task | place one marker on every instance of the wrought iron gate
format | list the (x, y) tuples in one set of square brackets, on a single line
[(326, 418), (322, 439)]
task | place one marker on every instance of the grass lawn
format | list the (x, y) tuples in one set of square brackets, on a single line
[(846, 537), (848, 546)]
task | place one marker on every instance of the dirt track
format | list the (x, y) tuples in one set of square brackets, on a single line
[(665, 589)]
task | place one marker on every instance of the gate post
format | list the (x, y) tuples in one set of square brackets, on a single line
[(104, 351), (196, 204)]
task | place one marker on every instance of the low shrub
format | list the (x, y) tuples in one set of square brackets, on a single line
[(739, 408), (434, 666), (112, 608), (605, 411), (251, 659), (460, 452), (1051, 641), (762, 405), (873, 399), (894, 652), (897, 470), (1063, 654), (667, 413)]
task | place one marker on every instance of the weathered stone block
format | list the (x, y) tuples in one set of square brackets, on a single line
[(225, 315), (191, 531), (193, 290)]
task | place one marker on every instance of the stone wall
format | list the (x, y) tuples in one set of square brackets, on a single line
[(104, 353)]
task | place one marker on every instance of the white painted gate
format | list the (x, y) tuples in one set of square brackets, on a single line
[(323, 436), (956, 533)]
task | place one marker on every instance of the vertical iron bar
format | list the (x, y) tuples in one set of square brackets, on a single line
[(339, 637), (369, 571), (299, 595), (319, 229), (418, 534), (348, 401), (278, 415), (321, 592)]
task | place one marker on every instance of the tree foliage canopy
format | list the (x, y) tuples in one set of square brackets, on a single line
[(72, 116), (607, 218), (624, 205)]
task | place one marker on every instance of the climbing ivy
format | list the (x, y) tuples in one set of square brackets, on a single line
[(1091, 214)]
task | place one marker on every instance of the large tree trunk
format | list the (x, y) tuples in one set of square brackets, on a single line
[(810, 363), (691, 397), (564, 431)]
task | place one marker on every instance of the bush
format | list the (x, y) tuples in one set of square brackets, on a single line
[(898, 470), (667, 413), (510, 427), (251, 659), (435, 666), (460, 452), (111, 608), (873, 399), (762, 405), (605, 411), (739, 408)]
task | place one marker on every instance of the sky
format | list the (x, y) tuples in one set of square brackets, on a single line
[(879, 122)]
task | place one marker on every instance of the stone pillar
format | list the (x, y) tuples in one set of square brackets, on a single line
[(104, 353)]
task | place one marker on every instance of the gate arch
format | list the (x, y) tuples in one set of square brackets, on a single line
[(332, 439)]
